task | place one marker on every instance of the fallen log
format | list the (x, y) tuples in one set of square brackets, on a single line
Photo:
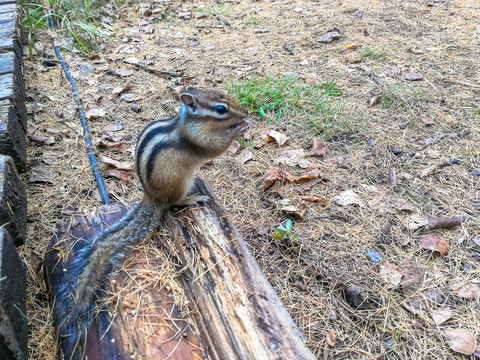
[(234, 312)]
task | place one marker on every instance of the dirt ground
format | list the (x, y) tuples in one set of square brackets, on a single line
[(357, 272)]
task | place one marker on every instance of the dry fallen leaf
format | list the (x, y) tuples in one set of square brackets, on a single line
[(269, 179), (293, 157), (429, 170), (330, 36), (244, 156), (461, 340), (412, 280), (115, 163), (331, 338), (413, 76), (234, 147), (122, 89), (427, 120), (114, 147), (314, 174), (314, 198), (374, 100), (124, 72), (261, 229), (318, 148), (442, 315), (124, 175), (114, 126), (466, 289), (391, 274), (392, 205), (349, 197), (434, 243), (41, 174), (95, 113), (278, 137), (292, 209), (416, 221)]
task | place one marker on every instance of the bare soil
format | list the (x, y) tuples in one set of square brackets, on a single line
[(356, 270)]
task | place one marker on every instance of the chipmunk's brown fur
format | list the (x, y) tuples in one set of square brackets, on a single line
[(168, 153)]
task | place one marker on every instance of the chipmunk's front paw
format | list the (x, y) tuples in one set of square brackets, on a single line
[(194, 200)]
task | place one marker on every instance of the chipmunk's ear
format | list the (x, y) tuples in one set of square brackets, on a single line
[(188, 100)]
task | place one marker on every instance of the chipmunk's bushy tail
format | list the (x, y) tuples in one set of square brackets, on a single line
[(76, 299)]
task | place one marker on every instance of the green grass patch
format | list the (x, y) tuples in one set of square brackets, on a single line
[(283, 97), (373, 52), (252, 21), (395, 97), (74, 18)]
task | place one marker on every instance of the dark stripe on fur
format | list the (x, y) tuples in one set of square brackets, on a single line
[(152, 156), (150, 135), (186, 144)]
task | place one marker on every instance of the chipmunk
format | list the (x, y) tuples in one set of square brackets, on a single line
[(168, 153)]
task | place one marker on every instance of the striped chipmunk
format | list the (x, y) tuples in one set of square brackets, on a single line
[(168, 153)]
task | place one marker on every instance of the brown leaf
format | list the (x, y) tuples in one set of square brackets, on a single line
[(374, 100), (393, 205), (401, 204), (41, 174), (269, 178), (95, 113), (244, 156), (280, 138), (314, 174), (47, 140), (466, 290), (115, 126), (412, 280), (314, 199), (461, 340), (292, 209), (349, 197), (123, 175), (416, 221), (284, 175), (122, 89), (427, 120), (293, 157), (124, 72), (434, 243), (115, 147), (429, 170), (35, 262), (413, 76), (330, 36), (331, 338), (441, 316), (391, 274), (318, 148), (261, 229), (443, 223), (308, 185), (115, 163)]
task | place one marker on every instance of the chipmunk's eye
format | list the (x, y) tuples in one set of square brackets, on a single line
[(221, 109)]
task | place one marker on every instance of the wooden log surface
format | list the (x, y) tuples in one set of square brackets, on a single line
[(235, 309), (147, 323)]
